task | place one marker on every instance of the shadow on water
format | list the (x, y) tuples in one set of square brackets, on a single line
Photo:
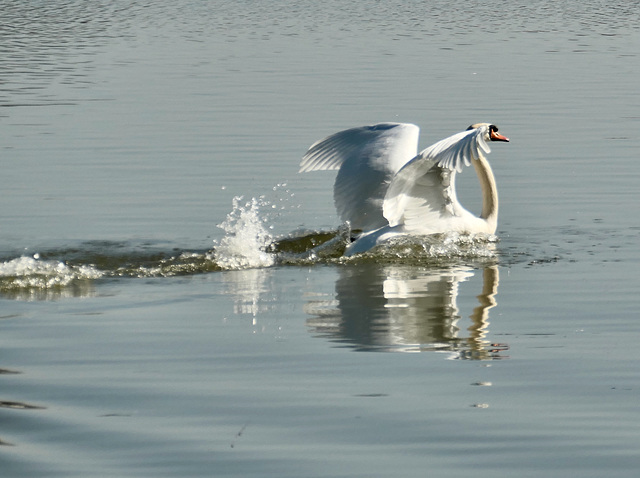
[(408, 309)]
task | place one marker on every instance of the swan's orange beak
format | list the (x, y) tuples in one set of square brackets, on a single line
[(495, 136)]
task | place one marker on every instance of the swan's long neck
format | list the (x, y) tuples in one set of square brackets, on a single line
[(489, 192)]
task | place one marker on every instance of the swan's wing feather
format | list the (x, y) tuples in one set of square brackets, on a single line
[(418, 195), (457, 151), (367, 158), (423, 191), (381, 146)]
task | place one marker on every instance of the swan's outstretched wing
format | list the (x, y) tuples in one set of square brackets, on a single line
[(423, 191), (381, 146), (367, 158)]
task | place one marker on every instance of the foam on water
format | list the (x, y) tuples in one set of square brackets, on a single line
[(247, 244), (32, 272), (439, 248)]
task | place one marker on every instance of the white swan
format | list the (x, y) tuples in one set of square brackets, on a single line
[(384, 189)]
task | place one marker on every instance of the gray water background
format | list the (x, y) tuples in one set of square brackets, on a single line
[(131, 126)]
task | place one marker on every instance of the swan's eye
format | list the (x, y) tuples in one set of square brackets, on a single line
[(493, 128)]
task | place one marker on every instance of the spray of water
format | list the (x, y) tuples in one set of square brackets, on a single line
[(246, 236)]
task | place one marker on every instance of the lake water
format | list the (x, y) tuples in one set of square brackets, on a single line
[(147, 329)]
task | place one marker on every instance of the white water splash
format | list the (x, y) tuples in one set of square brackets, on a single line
[(32, 272), (246, 236)]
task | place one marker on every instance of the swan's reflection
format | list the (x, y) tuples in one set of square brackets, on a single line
[(408, 309)]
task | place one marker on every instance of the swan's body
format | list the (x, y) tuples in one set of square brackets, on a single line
[(384, 188)]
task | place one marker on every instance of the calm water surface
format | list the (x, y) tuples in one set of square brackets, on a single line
[(146, 331)]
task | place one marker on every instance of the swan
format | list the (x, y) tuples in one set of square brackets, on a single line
[(385, 188)]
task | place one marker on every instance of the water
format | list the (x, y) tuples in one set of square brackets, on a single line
[(162, 314)]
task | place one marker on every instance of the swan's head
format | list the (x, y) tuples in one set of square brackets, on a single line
[(491, 132)]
